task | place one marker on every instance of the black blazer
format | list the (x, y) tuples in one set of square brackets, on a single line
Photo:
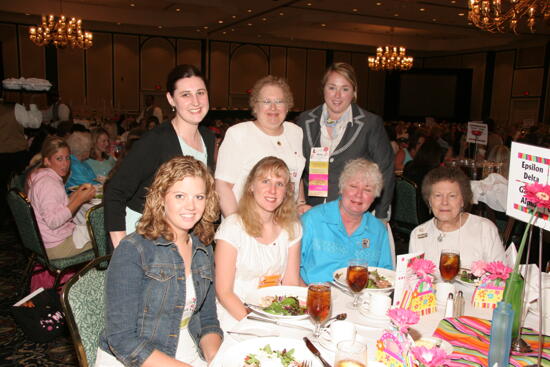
[(365, 137), (128, 186)]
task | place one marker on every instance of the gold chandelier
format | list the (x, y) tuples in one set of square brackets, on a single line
[(390, 58), (61, 33), (492, 16)]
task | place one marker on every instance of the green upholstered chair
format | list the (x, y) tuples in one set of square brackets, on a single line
[(96, 228), (405, 206), (29, 233), (83, 301)]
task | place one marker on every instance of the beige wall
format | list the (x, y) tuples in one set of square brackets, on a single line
[(121, 68)]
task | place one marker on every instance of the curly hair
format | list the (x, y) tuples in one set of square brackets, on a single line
[(452, 174), (270, 80), (285, 215), (153, 225)]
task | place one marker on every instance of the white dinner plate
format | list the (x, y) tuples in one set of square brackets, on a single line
[(258, 329), (340, 278), (284, 291), (234, 356)]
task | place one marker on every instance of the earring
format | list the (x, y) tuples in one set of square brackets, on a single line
[(173, 108)]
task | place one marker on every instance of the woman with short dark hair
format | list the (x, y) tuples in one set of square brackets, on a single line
[(448, 194)]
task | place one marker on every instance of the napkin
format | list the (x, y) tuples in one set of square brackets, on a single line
[(492, 190), (510, 255)]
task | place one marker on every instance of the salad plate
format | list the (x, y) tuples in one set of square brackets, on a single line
[(464, 277), (275, 352), (280, 302), (385, 274)]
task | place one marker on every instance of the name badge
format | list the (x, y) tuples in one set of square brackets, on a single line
[(422, 235), (365, 243), (318, 172)]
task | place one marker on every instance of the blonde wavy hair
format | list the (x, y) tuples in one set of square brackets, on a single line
[(285, 215), (153, 225)]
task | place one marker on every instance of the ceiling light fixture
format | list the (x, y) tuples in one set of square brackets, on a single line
[(61, 32), (494, 16), (390, 58)]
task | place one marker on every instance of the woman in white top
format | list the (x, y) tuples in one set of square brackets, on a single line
[(248, 142), (259, 245), (448, 194)]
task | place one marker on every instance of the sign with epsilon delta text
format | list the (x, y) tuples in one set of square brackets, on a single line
[(528, 164)]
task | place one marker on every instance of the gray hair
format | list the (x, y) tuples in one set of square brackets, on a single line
[(366, 169), (79, 142)]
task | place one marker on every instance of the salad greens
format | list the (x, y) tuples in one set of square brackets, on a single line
[(285, 356), (286, 306)]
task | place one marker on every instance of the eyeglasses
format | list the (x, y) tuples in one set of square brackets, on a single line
[(268, 102)]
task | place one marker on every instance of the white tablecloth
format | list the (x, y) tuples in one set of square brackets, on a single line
[(366, 329)]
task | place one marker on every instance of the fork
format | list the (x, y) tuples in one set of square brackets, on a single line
[(306, 364)]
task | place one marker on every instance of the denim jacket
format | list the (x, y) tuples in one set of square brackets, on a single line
[(145, 298)]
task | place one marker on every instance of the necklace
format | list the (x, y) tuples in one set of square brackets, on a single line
[(443, 234)]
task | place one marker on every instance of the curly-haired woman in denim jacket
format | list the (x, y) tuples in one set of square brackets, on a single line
[(160, 297)]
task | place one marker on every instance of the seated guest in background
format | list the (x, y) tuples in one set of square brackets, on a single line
[(151, 109), (80, 144), (151, 122), (54, 210), (248, 142), (403, 155), (57, 111), (100, 160), (343, 229), (428, 157), (447, 192), (160, 299), (259, 245)]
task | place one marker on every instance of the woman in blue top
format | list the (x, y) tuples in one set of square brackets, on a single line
[(343, 229), (160, 297), (100, 161)]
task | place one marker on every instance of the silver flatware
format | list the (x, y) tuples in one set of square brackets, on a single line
[(277, 322), (253, 334), (313, 349), (341, 288)]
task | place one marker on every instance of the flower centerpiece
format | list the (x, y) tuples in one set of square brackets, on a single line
[(419, 295), (430, 357), (537, 196), (492, 277), (393, 347)]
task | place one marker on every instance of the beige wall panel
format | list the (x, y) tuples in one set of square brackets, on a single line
[(70, 66), (476, 62), (360, 64), (277, 64), (10, 58), (296, 75), (157, 59), (375, 100), (315, 71), (451, 62), (340, 56), (189, 52), (530, 57), (99, 72), (502, 84), (219, 74), (126, 72), (524, 108), (527, 82), (32, 58), (248, 64)]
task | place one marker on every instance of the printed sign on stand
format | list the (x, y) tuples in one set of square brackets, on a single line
[(528, 164), (477, 132)]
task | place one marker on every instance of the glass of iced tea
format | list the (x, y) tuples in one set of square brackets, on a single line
[(351, 353), (449, 264), (318, 305), (357, 278)]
